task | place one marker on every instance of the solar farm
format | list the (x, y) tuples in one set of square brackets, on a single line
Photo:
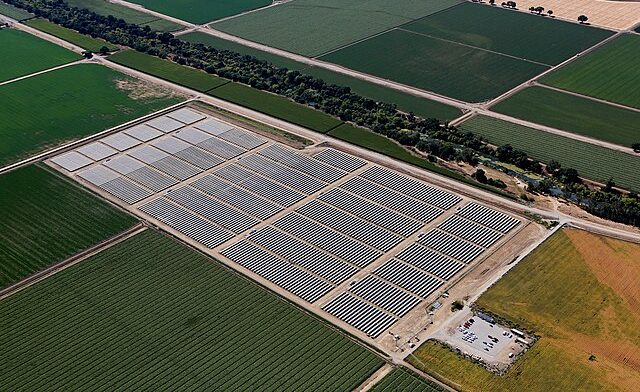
[(355, 241)]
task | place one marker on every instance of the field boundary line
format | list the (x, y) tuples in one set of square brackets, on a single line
[(158, 15), (375, 378), (599, 100), (78, 142), (274, 3), (71, 261), (48, 37), (57, 67), (474, 47), (427, 376)]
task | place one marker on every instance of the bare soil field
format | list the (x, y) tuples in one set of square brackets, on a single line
[(613, 14)]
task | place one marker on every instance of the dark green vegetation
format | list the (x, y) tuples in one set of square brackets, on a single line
[(403, 380), (106, 8), (83, 41), (405, 102), (447, 68), (594, 162), (277, 106), (149, 313), (611, 72), (545, 40), (14, 12), (26, 54), (574, 114), (45, 219), (314, 27), (43, 111), (164, 69), (201, 11)]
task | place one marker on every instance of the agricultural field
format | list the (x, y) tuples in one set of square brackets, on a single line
[(592, 161), (29, 54), (165, 69), (405, 102), (14, 12), (202, 11), (579, 293), (615, 65), (106, 8), (530, 38), (41, 112), (81, 40), (45, 219), (573, 114), (403, 380), (347, 22), (150, 313), (276, 106), (433, 64)]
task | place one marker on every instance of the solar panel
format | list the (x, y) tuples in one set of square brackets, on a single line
[(213, 127), (72, 161), (385, 295), (97, 151), (242, 138), (98, 175), (143, 132), (120, 141), (165, 124), (187, 116), (340, 159), (367, 318), (489, 217)]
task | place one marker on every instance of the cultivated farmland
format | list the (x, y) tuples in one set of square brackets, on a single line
[(610, 73), (151, 313), (401, 379), (106, 8), (543, 40), (447, 68), (165, 69), (45, 219), (321, 26), (574, 114), (405, 102), (40, 112), (81, 40), (202, 11), (592, 161), (29, 54), (14, 12), (578, 292)]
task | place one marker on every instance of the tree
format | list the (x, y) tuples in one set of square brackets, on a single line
[(480, 176), (568, 176), (553, 166), (532, 9), (104, 50), (539, 10), (550, 13), (492, 2), (636, 147), (583, 19), (87, 54), (609, 186)]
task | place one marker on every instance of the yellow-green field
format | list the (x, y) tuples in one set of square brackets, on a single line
[(579, 292)]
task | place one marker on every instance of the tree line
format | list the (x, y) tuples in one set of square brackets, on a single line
[(424, 134)]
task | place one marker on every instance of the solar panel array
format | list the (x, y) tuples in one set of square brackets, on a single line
[(419, 270)]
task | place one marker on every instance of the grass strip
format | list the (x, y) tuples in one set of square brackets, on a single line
[(84, 41)]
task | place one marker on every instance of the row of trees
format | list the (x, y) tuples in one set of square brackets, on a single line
[(428, 135)]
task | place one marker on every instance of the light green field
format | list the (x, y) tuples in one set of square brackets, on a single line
[(578, 292), (447, 68), (202, 11), (14, 12), (573, 114), (152, 314), (314, 27), (610, 73), (591, 161), (29, 54), (106, 8), (39, 113), (45, 219), (84, 41), (165, 69), (403, 380)]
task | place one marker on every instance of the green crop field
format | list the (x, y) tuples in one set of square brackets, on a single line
[(41, 112), (405, 102), (314, 27), (576, 292), (45, 219), (29, 54), (165, 69), (611, 72), (403, 380), (276, 106), (574, 114), (150, 313), (81, 40), (591, 161), (106, 8), (545, 40), (444, 67), (202, 11), (14, 12)]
